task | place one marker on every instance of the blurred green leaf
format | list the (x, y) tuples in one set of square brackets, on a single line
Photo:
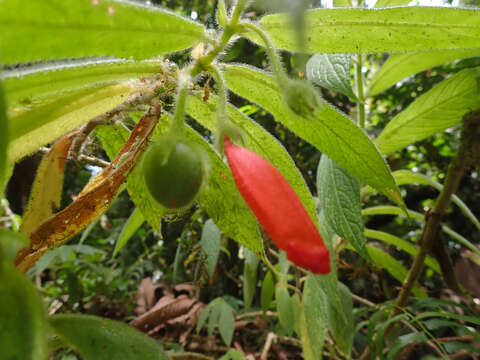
[(249, 277), (134, 222), (232, 354), (328, 130), (3, 136), (339, 196), (267, 292), (378, 30), (392, 266), (10, 243), (331, 71), (226, 323), (67, 29), (222, 18), (98, 338), (439, 108), (389, 3), (401, 244), (284, 307), (399, 66), (210, 244), (23, 327), (316, 318), (403, 341), (409, 177)]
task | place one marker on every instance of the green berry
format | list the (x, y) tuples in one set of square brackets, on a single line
[(173, 173), (301, 96)]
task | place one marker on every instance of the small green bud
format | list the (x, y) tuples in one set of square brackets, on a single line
[(301, 96)]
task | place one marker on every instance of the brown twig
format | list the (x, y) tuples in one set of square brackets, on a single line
[(434, 217)]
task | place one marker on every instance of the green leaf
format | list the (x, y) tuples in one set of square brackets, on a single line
[(441, 107), (113, 138), (222, 18), (23, 328), (389, 3), (210, 244), (316, 318), (342, 3), (331, 71), (10, 243), (257, 140), (403, 341), (410, 177), (3, 136), (341, 319), (391, 265), (214, 315), (226, 323), (267, 292), (402, 245), (26, 84), (35, 125), (66, 29), (249, 277), (368, 30), (399, 66), (134, 222), (339, 196), (97, 338), (393, 210), (329, 130), (232, 354), (284, 307)]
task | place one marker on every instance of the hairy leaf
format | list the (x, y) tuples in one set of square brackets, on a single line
[(339, 196), (399, 66), (66, 29), (35, 125), (439, 108), (54, 79), (331, 71), (98, 338), (328, 130), (368, 30)]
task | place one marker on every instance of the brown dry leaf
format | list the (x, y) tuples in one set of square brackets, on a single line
[(92, 202), (165, 310), (145, 297), (47, 187)]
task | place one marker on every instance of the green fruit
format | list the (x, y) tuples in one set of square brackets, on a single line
[(173, 173)]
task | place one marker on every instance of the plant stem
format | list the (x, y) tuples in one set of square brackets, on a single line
[(270, 49), (179, 117), (360, 95)]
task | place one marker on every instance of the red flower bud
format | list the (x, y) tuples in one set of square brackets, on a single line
[(277, 208)]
